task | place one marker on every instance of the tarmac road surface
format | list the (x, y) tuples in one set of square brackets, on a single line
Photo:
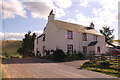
[(40, 68)]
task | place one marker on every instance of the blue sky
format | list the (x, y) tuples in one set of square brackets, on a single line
[(21, 16)]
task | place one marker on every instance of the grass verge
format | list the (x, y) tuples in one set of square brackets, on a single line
[(96, 66), (1, 71)]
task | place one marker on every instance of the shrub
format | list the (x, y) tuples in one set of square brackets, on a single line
[(58, 55), (104, 64), (47, 52), (80, 55)]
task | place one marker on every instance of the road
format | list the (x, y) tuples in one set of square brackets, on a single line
[(39, 68)]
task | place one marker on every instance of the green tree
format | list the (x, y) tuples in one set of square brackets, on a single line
[(108, 33), (27, 47)]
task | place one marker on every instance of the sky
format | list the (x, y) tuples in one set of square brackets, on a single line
[(17, 17)]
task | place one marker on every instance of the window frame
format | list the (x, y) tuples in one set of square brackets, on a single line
[(84, 36), (98, 49), (84, 47), (95, 37), (69, 33), (70, 45)]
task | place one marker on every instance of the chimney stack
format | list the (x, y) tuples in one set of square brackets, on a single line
[(92, 25), (51, 16)]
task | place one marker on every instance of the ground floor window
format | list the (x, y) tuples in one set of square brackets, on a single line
[(98, 49), (70, 48), (84, 49)]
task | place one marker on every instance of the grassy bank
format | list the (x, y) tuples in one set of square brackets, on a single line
[(10, 47), (110, 68), (1, 71)]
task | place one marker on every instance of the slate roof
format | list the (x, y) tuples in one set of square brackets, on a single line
[(75, 27), (93, 43)]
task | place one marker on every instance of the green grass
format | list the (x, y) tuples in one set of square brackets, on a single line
[(10, 46), (95, 66), (1, 72), (16, 55), (12, 55), (111, 72)]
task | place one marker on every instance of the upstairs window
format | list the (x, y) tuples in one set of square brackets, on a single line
[(95, 37), (84, 37), (70, 34), (43, 37)]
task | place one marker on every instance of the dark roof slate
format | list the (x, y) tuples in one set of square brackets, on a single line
[(93, 43)]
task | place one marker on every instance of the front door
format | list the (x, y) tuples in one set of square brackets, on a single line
[(70, 49)]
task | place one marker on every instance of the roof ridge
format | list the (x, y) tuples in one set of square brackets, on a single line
[(70, 23)]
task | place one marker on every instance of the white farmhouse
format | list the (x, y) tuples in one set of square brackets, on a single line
[(69, 37)]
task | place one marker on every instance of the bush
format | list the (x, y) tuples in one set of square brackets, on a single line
[(80, 55), (47, 52), (104, 64), (58, 55)]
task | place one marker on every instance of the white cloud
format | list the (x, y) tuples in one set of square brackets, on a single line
[(12, 8), (81, 19), (42, 8), (76, 11), (108, 10), (38, 32), (63, 3), (39, 9), (84, 3), (109, 5), (15, 36), (59, 12), (107, 15)]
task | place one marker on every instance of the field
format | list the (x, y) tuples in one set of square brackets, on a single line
[(10, 46)]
